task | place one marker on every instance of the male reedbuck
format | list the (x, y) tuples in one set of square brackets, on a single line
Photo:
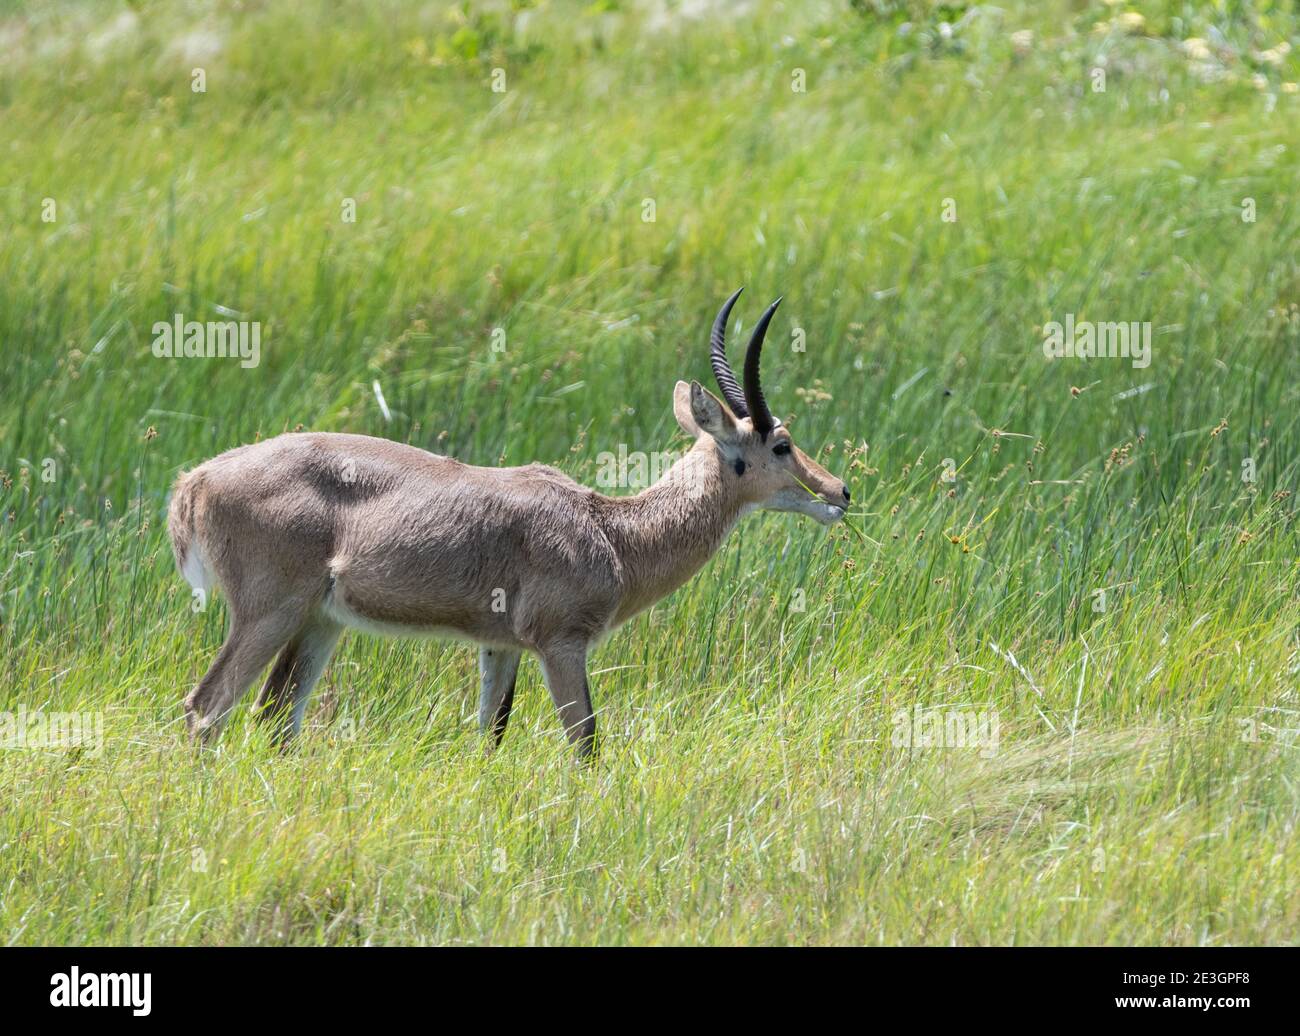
[(308, 533)]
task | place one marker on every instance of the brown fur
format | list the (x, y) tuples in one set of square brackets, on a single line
[(307, 533)]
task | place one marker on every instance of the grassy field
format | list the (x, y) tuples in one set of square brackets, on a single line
[(1095, 559)]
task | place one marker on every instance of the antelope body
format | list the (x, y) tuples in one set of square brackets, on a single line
[(310, 533)]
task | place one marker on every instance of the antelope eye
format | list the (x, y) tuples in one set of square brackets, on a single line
[(781, 449)]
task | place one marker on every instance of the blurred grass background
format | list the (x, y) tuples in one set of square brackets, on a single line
[(1145, 785)]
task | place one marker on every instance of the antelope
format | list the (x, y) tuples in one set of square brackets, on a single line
[(311, 533)]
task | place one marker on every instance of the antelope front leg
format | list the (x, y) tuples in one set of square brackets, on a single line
[(499, 668), (565, 668)]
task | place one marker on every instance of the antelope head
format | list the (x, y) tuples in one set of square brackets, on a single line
[(770, 471)]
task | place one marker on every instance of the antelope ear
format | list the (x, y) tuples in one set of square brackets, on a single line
[(682, 409), (712, 417)]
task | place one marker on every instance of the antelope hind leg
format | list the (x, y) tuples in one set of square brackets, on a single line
[(284, 696)]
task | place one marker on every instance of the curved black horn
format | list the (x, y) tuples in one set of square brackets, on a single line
[(718, 359), (764, 422)]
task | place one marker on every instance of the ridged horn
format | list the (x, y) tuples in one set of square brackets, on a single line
[(718, 359), (762, 417)]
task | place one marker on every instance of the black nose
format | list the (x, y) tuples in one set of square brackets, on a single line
[(846, 494)]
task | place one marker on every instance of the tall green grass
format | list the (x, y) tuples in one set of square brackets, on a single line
[(1144, 784)]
